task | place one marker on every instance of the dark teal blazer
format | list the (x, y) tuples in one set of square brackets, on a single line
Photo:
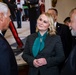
[(52, 52)]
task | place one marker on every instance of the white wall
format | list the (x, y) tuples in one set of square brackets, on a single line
[(64, 7), (48, 4)]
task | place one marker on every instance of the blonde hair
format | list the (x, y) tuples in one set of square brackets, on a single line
[(51, 29)]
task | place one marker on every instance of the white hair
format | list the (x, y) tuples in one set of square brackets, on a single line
[(3, 8)]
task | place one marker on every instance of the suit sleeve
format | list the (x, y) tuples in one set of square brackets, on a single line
[(67, 40), (59, 54), (27, 54)]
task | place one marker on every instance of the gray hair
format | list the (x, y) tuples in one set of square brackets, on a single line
[(3, 8)]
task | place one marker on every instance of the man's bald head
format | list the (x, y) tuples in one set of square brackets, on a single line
[(73, 19)]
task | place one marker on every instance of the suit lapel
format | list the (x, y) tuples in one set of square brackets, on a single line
[(32, 39), (58, 28), (2, 37), (48, 40)]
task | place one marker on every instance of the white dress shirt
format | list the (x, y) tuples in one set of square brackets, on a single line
[(20, 4), (1, 32), (55, 24)]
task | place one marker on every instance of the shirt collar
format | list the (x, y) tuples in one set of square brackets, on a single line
[(55, 24), (1, 32)]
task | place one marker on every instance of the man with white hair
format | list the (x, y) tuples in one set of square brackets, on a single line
[(70, 65), (8, 65)]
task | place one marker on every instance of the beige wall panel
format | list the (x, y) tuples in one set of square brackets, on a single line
[(64, 7)]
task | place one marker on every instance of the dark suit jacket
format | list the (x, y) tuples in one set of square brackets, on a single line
[(70, 66), (73, 41), (8, 65), (52, 52), (66, 37)]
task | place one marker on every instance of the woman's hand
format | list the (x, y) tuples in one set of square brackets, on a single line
[(35, 63), (41, 61)]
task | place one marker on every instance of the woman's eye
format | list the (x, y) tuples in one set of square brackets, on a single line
[(40, 19), (45, 21)]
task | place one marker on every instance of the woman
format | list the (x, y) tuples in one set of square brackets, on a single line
[(43, 50)]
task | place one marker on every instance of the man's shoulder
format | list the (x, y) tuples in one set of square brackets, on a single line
[(62, 25)]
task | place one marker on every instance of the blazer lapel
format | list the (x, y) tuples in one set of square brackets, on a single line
[(48, 40), (58, 28), (2, 37), (32, 40)]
